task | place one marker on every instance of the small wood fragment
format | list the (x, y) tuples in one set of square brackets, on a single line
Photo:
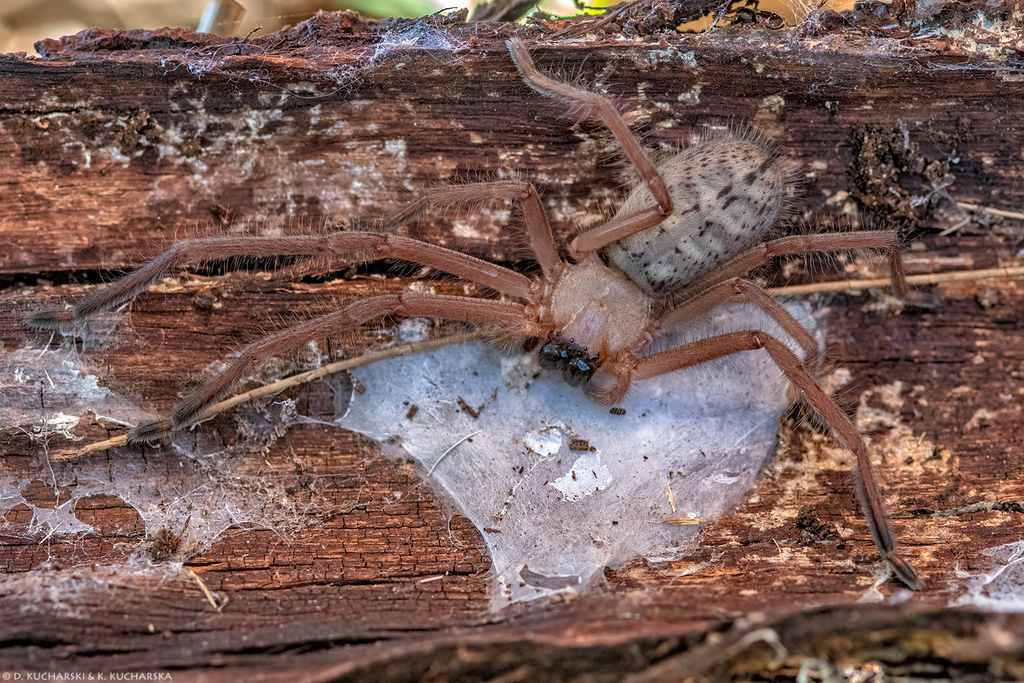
[(206, 591), (684, 521), (467, 408)]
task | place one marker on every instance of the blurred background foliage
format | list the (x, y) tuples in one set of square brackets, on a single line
[(23, 22)]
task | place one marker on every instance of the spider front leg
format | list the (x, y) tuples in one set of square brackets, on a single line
[(868, 494), (510, 318), (599, 108)]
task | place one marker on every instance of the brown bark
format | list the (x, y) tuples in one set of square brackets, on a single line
[(115, 144)]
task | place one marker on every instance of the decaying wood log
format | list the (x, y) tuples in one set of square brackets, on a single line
[(117, 143)]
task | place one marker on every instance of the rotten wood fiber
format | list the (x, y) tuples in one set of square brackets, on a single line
[(118, 143), (130, 141)]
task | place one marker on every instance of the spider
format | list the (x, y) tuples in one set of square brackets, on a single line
[(679, 246)]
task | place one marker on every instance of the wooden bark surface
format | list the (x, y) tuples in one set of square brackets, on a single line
[(116, 144)]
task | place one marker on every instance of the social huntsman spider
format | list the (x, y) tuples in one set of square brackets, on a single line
[(680, 245)]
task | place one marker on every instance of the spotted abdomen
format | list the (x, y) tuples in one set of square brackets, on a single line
[(727, 192)]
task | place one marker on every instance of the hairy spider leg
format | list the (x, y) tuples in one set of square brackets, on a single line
[(750, 292), (726, 282), (196, 251), (506, 315), (601, 236), (870, 498), (709, 299), (538, 229), (740, 265), (599, 108)]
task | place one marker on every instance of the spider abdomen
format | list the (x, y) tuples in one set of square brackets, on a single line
[(726, 192)]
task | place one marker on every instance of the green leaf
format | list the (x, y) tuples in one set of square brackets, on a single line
[(379, 9)]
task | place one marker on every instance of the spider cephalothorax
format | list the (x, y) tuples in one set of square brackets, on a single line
[(680, 245)]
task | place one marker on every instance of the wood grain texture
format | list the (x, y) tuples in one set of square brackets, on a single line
[(117, 143)]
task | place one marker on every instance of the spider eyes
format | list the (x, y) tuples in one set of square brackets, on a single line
[(576, 365)]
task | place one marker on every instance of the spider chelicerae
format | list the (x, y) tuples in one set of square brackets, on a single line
[(679, 246)]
